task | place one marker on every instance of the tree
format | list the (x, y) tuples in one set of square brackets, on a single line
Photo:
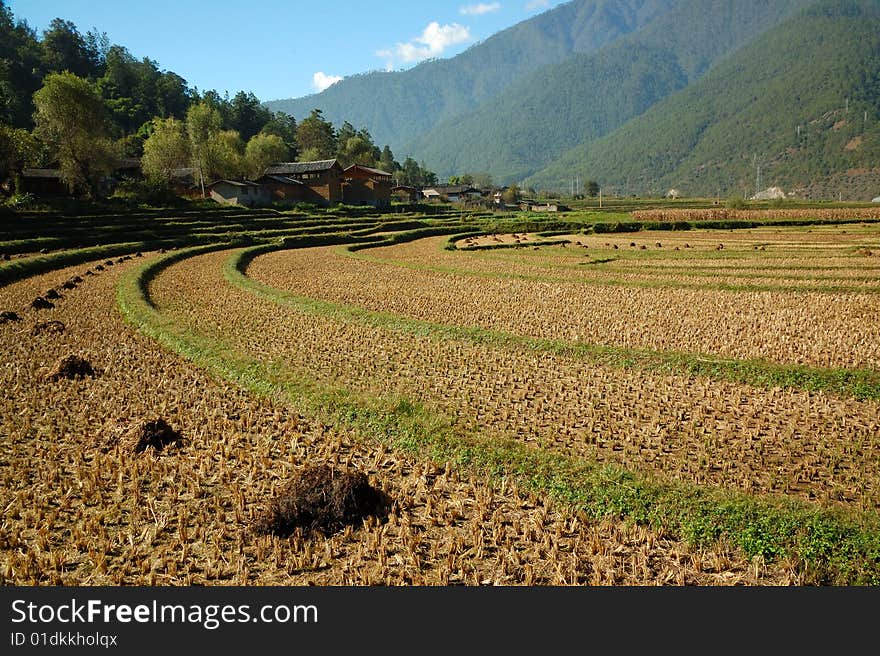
[(65, 49), (411, 173), (227, 153), (283, 125), (386, 161), (591, 188), (263, 150), (165, 150), (316, 135), (202, 123), (247, 115), (18, 148), (21, 70), (511, 195), (72, 119)]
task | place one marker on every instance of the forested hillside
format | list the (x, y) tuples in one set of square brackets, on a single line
[(589, 95), (398, 106), (799, 107)]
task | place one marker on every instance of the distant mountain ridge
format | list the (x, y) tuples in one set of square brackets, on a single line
[(702, 95), (799, 108), (396, 107)]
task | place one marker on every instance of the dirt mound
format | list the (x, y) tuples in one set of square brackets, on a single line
[(48, 328), (71, 367), (154, 434), (7, 316), (52, 294), (322, 499), (40, 303), (865, 252)]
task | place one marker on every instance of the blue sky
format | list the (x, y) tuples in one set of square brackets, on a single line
[(279, 49)]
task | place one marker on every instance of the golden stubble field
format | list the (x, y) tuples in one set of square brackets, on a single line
[(562, 293), (812, 445), (77, 513)]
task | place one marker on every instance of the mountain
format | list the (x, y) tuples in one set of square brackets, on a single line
[(398, 106), (588, 95), (799, 107)]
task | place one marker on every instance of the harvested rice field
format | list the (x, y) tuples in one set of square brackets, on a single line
[(555, 412)]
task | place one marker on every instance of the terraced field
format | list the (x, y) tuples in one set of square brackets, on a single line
[(541, 414)]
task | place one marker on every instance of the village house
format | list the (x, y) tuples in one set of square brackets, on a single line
[(44, 182), (366, 186), (322, 179), (452, 193), (406, 193), (283, 189), (239, 192)]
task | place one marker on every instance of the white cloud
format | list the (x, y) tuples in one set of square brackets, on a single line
[(537, 4), (321, 80), (433, 41), (479, 9)]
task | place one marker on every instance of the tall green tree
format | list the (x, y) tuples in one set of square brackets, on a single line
[(66, 49), (247, 115), (72, 119), (18, 148), (316, 137), (283, 125), (386, 161), (21, 70), (203, 123), (165, 150), (263, 150), (227, 155)]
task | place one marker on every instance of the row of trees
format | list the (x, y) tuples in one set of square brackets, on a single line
[(73, 100)]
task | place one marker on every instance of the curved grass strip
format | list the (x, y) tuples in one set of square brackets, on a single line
[(827, 546), (858, 383), (823, 283), (481, 251)]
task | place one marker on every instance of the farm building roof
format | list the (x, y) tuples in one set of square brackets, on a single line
[(41, 173), (288, 168), (235, 183), (369, 170), (453, 189), (282, 179)]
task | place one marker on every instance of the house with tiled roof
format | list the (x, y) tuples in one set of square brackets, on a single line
[(364, 185), (322, 179)]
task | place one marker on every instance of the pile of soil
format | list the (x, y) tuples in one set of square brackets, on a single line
[(7, 316), (40, 303), (52, 294), (154, 434), (48, 327), (71, 367), (322, 499)]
